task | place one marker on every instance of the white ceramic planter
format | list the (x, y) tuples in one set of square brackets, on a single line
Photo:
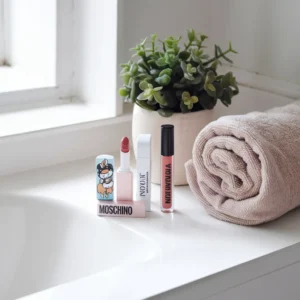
[(187, 126)]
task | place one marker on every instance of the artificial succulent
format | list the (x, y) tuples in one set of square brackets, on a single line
[(169, 78)]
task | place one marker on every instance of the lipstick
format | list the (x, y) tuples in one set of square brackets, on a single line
[(124, 173), (167, 169)]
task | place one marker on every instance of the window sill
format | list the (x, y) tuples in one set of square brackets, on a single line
[(58, 116), (41, 137), (17, 79), (19, 86)]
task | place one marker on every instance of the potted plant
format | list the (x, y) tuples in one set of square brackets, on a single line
[(170, 83)]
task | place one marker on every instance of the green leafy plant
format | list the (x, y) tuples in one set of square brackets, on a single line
[(168, 77)]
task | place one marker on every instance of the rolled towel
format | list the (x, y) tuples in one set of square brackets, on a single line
[(246, 169)]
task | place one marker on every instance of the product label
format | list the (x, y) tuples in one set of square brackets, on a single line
[(115, 210), (144, 184), (168, 183), (105, 179)]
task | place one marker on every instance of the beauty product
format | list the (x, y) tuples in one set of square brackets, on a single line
[(105, 177), (131, 209), (143, 169), (124, 173), (167, 155)]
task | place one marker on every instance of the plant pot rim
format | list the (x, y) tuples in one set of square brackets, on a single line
[(175, 114)]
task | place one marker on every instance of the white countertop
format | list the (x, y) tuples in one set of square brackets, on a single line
[(191, 245)]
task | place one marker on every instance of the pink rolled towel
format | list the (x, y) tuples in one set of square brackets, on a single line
[(246, 169)]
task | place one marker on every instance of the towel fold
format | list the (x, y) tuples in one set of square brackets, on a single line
[(246, 169)]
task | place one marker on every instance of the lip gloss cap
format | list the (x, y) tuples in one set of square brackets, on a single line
[(167, 140)]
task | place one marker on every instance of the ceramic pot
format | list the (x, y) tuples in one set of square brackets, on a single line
[(186, 128)]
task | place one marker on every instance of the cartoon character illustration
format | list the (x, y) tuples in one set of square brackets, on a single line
[(105, 174)]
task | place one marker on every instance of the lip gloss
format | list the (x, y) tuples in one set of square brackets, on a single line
[(167, 155), (124, 173)]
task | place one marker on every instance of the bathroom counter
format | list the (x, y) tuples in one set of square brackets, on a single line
[(196, 252)]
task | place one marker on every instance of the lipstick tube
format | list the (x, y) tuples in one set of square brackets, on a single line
[(167, 168), (124, 174)]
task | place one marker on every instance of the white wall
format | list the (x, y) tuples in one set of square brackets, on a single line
[(265, 32), (141, 18), (96, 47)]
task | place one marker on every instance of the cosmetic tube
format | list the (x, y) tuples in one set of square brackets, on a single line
[(167, 166), (143, 170)]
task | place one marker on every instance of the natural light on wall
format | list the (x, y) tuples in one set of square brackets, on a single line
[(28, 44), (1, 32), (52, 53), (35, 50)]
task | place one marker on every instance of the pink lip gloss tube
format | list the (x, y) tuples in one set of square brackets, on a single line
[(124, 174), (167, 166)]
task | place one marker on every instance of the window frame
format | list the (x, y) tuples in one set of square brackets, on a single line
[(83, 112), (37, 91), (86, 72), (2, 34)]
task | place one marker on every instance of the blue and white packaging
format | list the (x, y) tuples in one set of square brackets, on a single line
[(105, 177)]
